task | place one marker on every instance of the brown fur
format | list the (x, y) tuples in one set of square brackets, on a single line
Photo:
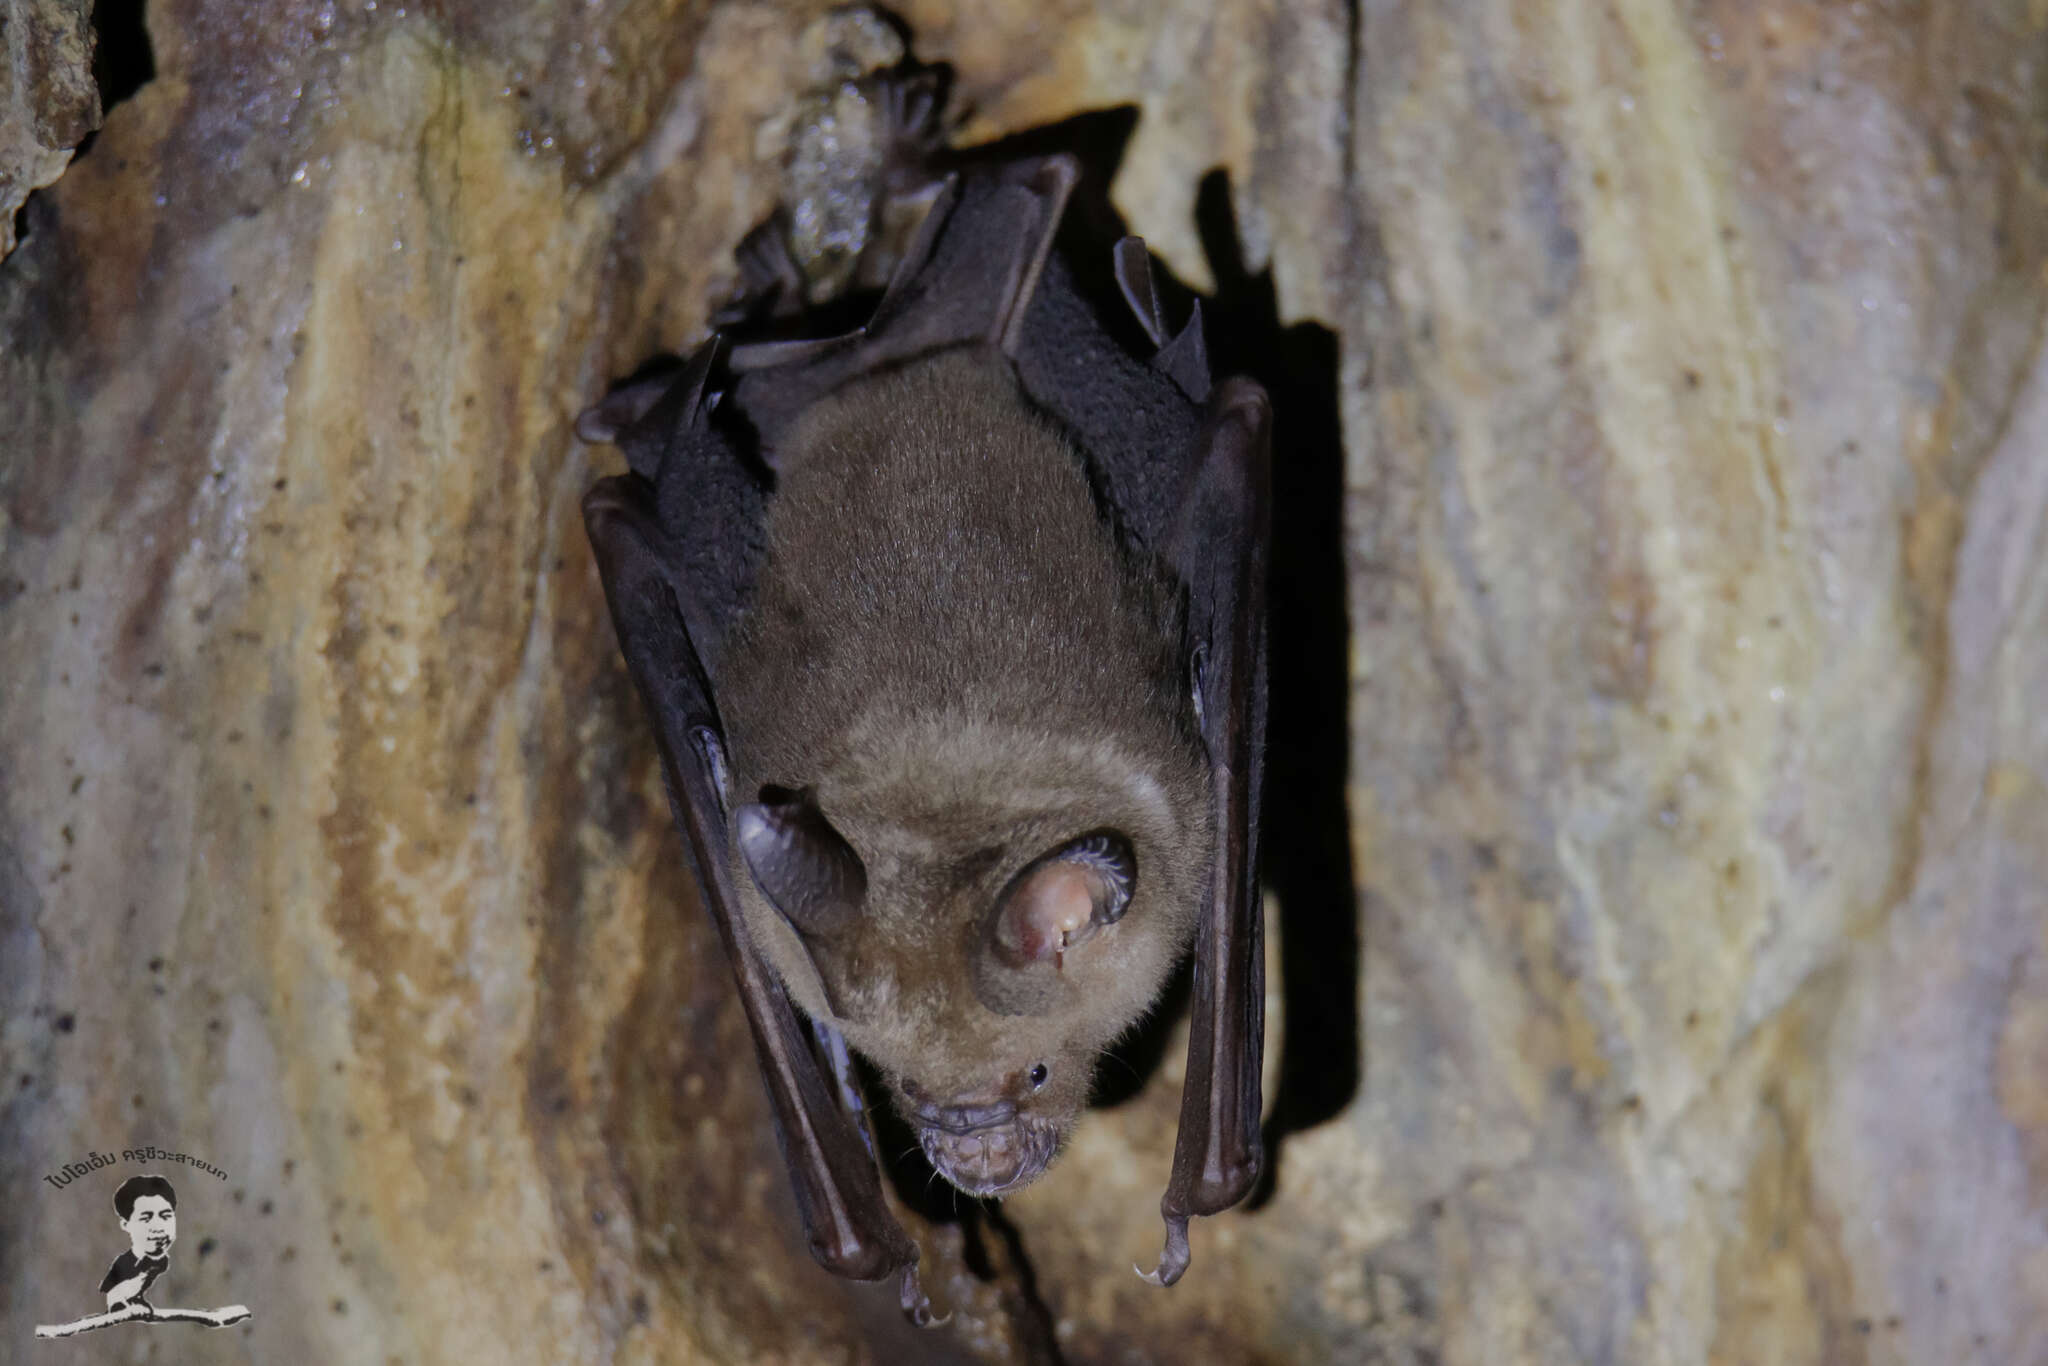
[(947, 644)]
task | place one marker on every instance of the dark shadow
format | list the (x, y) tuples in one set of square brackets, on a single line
[(122, 59), (1035, 1319), (122, 63), (1305, 835), (1096, 139)]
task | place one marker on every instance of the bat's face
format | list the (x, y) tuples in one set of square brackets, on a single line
[(996, 1124), (982, 943)]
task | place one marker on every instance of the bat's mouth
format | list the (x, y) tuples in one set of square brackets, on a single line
[(991, 1159)]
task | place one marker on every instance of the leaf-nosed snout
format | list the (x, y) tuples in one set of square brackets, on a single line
[(991, 1159), (962, 1119), (986, 1143)]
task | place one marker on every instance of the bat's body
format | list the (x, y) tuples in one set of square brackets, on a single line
[(951, 632), (949, 648)]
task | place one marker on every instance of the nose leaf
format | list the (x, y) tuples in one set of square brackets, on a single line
[(992, 1159)]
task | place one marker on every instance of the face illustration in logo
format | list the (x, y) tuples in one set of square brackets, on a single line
[(148, 1210), (152, 1226)]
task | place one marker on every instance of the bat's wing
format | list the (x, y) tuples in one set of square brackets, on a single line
[(707, 498), (1219, 545), (673, 540), (1139, 420), (1186, 470)]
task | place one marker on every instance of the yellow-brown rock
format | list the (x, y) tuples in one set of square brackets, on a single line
[(1689, 999)]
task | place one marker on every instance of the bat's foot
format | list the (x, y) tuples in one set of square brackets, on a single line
[(1173, 1260), (917, 1307), (771, 287), (914, 104)]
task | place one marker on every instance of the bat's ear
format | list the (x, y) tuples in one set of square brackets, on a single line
[(801, 864), (1049, 910)]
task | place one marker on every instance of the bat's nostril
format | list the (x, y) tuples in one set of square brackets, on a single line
[(965, 1117)]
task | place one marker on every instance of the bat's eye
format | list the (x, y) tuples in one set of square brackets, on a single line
[(1038, 1075), (1061, 901)]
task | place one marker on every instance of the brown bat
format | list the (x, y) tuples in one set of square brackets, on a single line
[(951, 632)]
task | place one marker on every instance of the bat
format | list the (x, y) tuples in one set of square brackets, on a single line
[(951, 633)]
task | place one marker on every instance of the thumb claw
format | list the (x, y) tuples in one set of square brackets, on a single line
[(917, 1307)]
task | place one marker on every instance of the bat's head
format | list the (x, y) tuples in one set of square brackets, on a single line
[(1000, 1125), (983, 944)]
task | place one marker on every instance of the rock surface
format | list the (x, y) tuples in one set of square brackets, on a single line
[(1688, 1002), (48, 100)]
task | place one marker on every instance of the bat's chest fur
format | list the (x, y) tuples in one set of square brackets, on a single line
[(949, 647), (936, 564)]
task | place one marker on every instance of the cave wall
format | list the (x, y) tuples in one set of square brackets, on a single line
[(1665, 385)]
